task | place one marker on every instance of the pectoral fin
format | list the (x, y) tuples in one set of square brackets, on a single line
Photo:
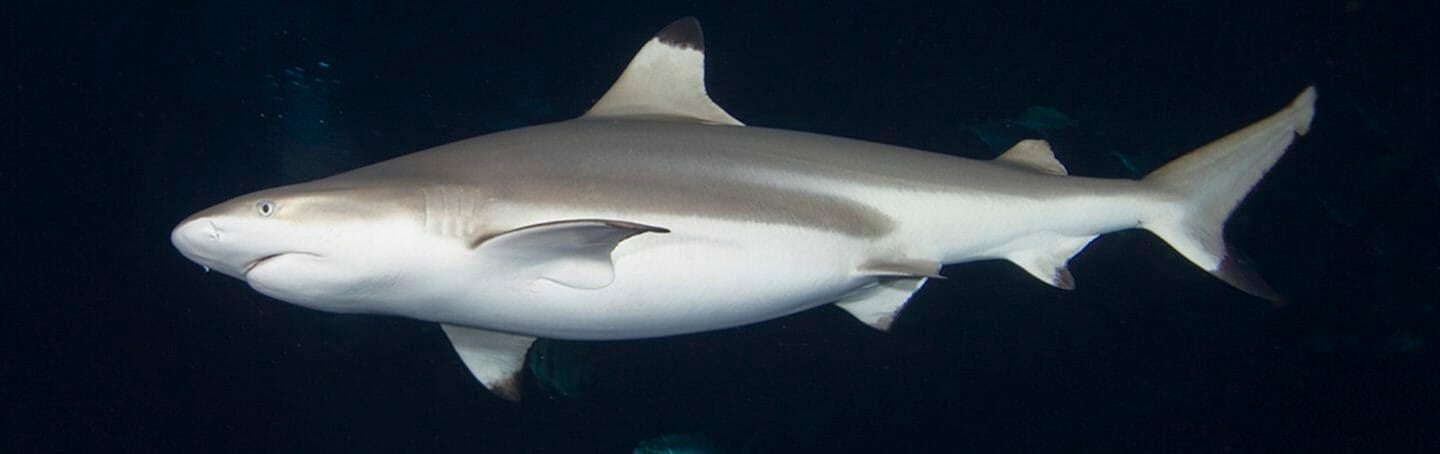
[(573, 253), (494, 358)]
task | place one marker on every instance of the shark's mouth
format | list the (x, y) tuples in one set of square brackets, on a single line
[(260, 261), (254, 263)]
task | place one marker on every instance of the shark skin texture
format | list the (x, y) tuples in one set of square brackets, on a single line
[(658, 213)]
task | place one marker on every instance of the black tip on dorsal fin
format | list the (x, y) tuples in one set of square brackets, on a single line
[(683, 33), (665, 81)]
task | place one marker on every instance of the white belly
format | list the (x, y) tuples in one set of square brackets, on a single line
[(704, 275)]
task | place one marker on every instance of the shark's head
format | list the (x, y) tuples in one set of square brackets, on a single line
[(310, 244)]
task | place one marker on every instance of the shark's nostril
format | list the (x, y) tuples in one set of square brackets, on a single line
[(212, 231)]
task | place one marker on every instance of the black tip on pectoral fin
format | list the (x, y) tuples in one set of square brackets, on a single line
[(1236, 271), (507, 388), (683, 33)]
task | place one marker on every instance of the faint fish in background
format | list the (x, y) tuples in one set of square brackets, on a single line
[(563, 369), (658, 213), (693, 443), (301, 99), (1041, 122), (1036, 122)]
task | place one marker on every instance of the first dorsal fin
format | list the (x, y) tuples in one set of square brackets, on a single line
[(665, 81), (1034, 154)]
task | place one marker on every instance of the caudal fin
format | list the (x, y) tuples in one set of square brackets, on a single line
[(1212, 180)]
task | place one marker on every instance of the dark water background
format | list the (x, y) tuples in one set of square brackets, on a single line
[(123, 117)]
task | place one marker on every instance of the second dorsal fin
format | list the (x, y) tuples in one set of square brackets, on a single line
[(665, 81), (1034, 154)]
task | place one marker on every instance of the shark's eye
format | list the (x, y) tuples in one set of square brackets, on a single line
[(265, 207)]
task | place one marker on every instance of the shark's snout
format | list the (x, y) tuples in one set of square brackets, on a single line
[(193, 234), (193, 237), (203, 242), (231, 246)]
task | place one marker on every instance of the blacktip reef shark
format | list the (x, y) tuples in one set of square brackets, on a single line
[(657, 213)]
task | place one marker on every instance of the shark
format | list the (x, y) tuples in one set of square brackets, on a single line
[(657, 213)]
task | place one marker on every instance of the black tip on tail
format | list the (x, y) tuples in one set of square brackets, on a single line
[(1236, 271), (1063, 279)]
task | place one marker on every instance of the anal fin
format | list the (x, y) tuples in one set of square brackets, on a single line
[(880, 304), (1049, 264), (493, 357)]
